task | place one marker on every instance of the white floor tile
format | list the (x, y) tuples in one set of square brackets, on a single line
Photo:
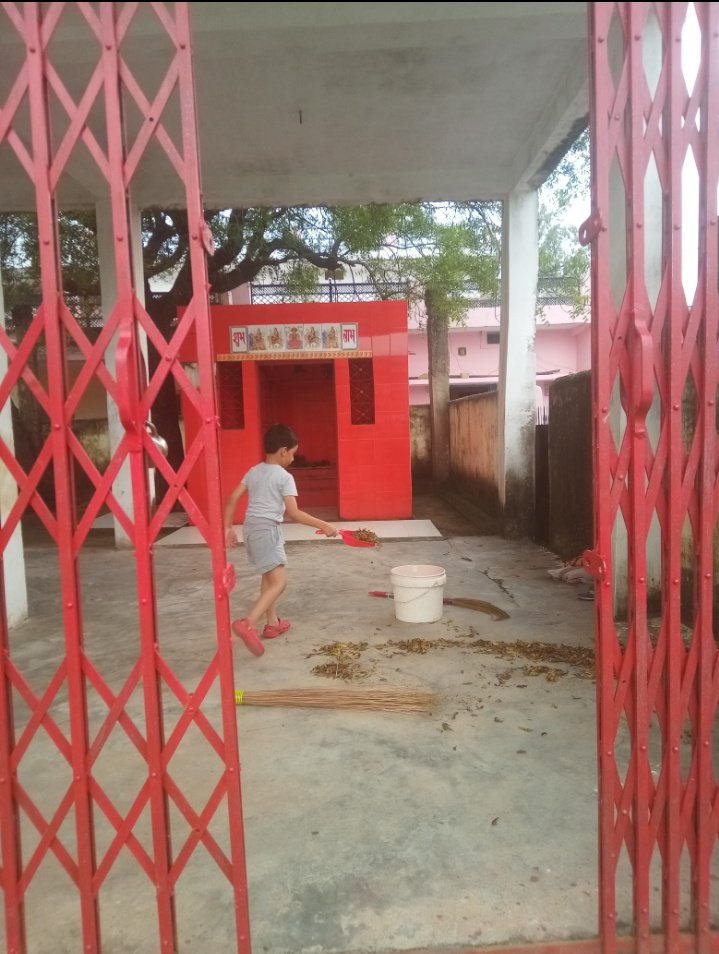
[(294, 532)]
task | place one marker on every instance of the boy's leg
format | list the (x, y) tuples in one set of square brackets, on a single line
[(271, 588), (271, 616), (264, 586)]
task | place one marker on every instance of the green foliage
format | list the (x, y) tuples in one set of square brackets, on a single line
[(559, 250), (570, 179), (300, 281), (445, 254), (20, 261)]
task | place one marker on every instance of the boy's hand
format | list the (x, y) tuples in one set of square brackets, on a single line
[(329, 530), (231, 538)]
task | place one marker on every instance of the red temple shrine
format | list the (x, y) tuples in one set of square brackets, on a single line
[(337, 374)]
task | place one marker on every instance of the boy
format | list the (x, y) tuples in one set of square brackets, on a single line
[(272, 491)]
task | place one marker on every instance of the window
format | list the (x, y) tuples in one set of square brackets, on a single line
[(230, 398), (492, 337), (361, 391)]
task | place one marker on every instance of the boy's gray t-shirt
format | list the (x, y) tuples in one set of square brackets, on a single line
[(268, 485)]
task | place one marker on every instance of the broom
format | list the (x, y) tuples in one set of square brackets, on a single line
[(466, 601), (390, 700)]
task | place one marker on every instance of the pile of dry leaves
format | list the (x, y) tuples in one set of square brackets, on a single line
[(346, 657)]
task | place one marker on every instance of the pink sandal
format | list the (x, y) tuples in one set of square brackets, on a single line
[(270, 632), (249, 636)]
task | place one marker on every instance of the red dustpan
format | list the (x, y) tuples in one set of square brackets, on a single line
[(350, 538)]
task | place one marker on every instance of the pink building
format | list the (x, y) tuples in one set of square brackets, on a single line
[(562, 346)]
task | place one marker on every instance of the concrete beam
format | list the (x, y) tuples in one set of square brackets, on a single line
[(563, 118), (371, 102)]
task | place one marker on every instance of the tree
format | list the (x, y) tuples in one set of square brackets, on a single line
[(451, 259)]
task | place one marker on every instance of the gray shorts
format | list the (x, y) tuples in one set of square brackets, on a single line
[(264, 543)]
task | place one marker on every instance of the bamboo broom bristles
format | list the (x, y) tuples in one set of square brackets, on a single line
[(390, 700)]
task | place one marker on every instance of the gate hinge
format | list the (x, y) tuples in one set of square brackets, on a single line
[(208, 239), (229, 578), (590, 229), (594, 564)]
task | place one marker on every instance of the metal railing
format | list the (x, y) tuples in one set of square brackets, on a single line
[(553, 290), (276, 293)]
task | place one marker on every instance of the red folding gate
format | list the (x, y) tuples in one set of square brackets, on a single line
[(655, 130), (45, 122), (655, 136)]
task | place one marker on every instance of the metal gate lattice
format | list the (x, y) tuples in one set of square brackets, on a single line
[(108, 125), (655, 130)]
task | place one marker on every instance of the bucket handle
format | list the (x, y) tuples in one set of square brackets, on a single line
[(420, 592)]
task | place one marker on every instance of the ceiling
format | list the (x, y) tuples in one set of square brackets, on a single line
[(335, 103)]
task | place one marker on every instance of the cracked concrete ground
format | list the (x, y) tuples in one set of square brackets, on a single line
[(365, 831)]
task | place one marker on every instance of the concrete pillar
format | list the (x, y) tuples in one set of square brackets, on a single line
[(122, 487), (242, 295), (517, 368), (15, 594)]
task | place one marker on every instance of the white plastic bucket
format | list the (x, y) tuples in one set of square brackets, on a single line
[(418, 592)]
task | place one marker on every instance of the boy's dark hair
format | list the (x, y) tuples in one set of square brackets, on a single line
[(279, 435)]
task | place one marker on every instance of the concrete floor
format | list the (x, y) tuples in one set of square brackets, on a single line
[(365, 831)]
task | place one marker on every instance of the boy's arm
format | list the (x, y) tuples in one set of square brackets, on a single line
[(300, 516), (230, 535)]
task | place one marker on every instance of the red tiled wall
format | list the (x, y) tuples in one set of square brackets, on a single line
[(373, 460)]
